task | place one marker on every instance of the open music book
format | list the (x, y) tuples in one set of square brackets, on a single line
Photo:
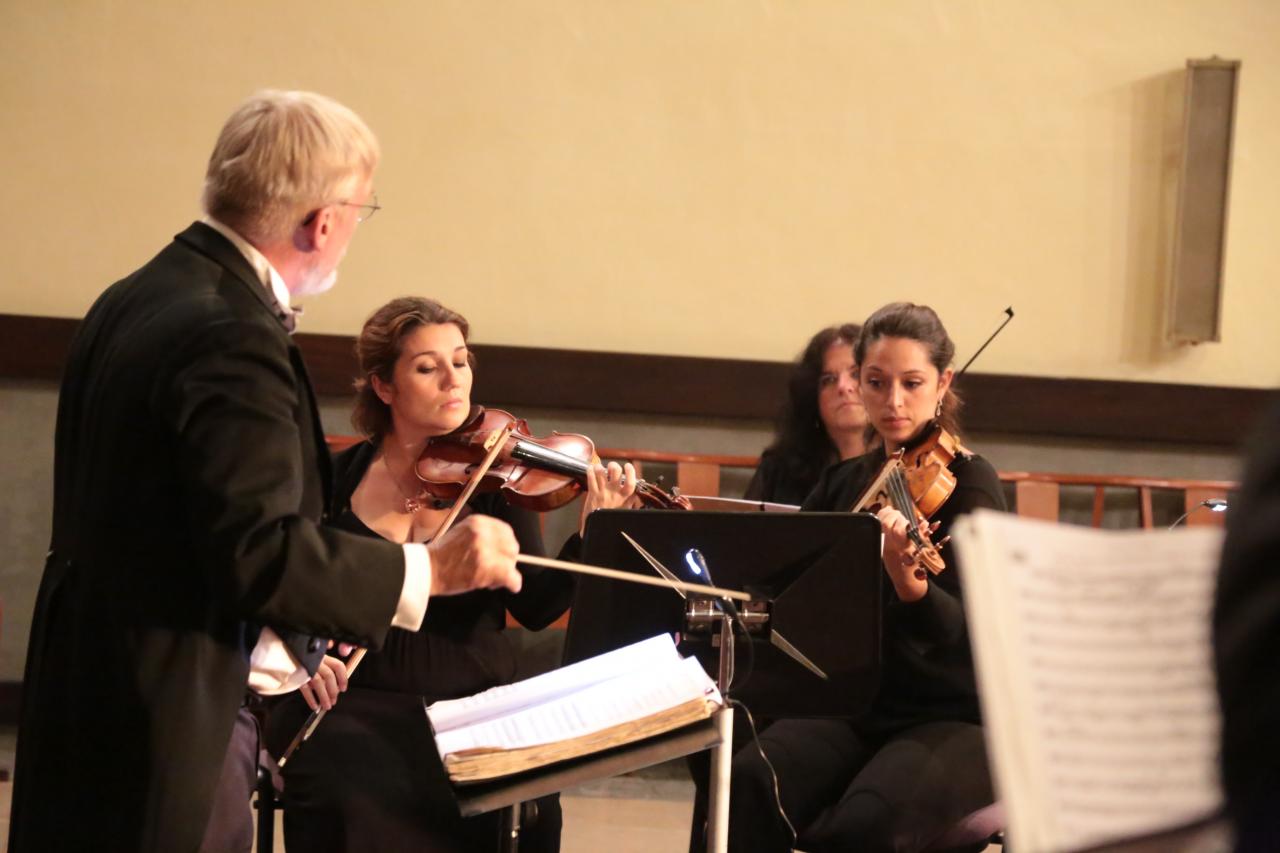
[(1095, 671), (613, 699)]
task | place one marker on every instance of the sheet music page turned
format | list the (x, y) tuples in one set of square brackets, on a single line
[(607, 701), (505, 699), (1094, 665)]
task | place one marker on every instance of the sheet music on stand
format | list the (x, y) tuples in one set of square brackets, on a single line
[(1095, 672), (618, 698)]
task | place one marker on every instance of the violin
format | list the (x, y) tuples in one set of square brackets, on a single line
[(917, 482), (540, 474)]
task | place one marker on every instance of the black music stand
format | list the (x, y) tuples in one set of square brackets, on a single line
[(820, 574), (814, 646), (820, 571)]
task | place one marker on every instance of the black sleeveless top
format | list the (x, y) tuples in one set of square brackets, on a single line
[(460, 648)]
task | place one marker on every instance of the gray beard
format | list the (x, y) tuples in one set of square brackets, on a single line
[(313, 285)]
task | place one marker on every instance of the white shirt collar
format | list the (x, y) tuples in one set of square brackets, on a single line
[(267, 274)]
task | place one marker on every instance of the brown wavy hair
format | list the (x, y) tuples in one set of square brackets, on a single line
[(801, 438), (379, 346), (919, 323)]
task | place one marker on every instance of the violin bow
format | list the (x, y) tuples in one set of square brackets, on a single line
[(631, 577), (494, 444), (1009, 312)]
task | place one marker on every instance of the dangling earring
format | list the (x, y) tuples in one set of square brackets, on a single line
[(938, 412)]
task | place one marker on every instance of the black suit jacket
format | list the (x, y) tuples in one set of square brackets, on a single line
[(190, 480), (1246, 636)]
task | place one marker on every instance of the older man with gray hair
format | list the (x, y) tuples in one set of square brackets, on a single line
[(189, 567)]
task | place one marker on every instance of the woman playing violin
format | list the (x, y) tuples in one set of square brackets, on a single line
[(915, 763), (364, 780)]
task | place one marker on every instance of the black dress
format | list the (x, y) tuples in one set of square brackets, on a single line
[(367, 778), (778, 479), (916, 763)]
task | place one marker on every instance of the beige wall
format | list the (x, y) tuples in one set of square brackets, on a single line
[(708, 178)]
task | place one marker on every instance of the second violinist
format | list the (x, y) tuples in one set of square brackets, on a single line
[(915, 764)]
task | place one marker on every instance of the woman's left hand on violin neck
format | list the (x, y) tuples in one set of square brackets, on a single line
[(611, 486), (901, 562)]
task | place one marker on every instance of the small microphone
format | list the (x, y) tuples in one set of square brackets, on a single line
[(1214, 505), (698, 565)]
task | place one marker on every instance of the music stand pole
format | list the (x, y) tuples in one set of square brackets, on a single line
[(722, 753), (509, 829)]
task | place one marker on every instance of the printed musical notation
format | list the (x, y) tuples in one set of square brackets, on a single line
[(1095, 668)]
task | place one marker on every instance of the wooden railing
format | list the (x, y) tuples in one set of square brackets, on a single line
[(1036, 494), (696, 473)]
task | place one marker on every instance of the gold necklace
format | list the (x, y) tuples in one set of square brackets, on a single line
[(412, 503)]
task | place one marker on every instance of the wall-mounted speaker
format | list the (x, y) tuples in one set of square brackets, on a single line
[(1204, 180)]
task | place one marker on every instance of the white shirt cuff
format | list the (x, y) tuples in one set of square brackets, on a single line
[(412, 608), (272, 668)]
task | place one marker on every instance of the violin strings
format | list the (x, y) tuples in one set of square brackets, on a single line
[(902, 498)]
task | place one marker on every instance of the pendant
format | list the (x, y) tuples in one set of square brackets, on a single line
[(412, 505)]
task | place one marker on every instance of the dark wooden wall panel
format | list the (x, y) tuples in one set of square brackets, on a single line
[(35, 347)]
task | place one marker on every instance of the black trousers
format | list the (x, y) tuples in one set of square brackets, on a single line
[(368, 779), (230, 827), (846, 789)]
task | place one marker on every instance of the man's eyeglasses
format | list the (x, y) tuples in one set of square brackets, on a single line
[(367, 210)]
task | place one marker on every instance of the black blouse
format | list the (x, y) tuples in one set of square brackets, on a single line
[(777, 481), (460, 648), (928, 667)]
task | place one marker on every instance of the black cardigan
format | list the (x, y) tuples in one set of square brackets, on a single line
[(928, 666), (777, 481)]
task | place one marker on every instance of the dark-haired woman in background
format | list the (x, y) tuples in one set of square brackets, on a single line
[(367, 779), (822, 422), (897, 777)]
